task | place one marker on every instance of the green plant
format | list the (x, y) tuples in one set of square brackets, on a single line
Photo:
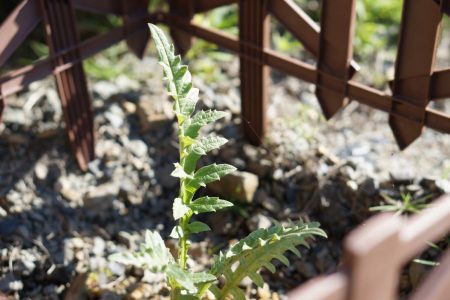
[(243, 259), (407, 204)]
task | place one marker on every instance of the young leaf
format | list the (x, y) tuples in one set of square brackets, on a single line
[(177, 232), (153, 254), (181, 277), (208, 204), (178, 75), (179, 172), (201, 147), (196, 227), (201, 119), (202, 277), (187, 105), (179, 209), (208, 174)]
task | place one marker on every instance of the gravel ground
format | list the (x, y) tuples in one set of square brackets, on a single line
[(58, 225)]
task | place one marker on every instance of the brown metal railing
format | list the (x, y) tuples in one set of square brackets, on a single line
[(415, 84), (375, 254)]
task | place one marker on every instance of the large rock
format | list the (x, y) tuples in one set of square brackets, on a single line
[(153, 112), (239, 186)]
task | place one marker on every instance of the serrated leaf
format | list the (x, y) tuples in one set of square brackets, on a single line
[(202, 277), (187, 104), (177, 232), (181, 277), (179, 209), (196, 227), (283, 259), (269, 266), (246, 257), (179, 172), (208, 174), (257, 279), (178, 75), (206, 144), (153, 254), (237, 294), (201, 119), (201, 147), (208, 204)]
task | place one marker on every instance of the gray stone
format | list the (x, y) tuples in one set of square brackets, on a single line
[(153, 112), (126, 238), (65, 188), (40, 171), (239, 186), (258, 221), (267, 202), (102, 196), (138, 148)]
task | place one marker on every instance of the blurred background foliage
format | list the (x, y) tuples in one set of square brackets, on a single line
[(374, 44)]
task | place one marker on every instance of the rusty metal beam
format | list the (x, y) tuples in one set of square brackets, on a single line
[(134, 13), (336, 51), (17, 26), (414, 65), (205, 5), (440, 84), (254, 34), (182, 9), (60, 32), (301, 26), (99, 6)]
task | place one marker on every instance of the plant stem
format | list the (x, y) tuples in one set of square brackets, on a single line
[(183, 245)]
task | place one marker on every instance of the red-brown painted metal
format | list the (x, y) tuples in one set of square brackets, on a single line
[(183, 9), (302, 27), (60, 32), (134, 12), (414, 65), (206, 5), (335, 54), (17, 26), (254, 37), (331, 45)]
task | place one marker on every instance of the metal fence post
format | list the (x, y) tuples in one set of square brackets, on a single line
[(335, 54), (254, 37), (414, 66), (61, 35), (134, 11), (185, 10)]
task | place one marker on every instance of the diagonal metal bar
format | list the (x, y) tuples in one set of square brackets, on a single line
[(302, 27), (18, 25), (336, 51), (414, 65), (60, 32), (99, 6), (254, 34), (206, 5)]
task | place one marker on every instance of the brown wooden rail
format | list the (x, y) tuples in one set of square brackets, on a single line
[(375, 253), (416, 81)]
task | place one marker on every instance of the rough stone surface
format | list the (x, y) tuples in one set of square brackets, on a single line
[(238, 186)]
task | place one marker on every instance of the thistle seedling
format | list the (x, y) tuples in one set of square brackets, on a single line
[(243, 259)]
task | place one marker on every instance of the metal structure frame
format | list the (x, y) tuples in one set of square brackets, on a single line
[(416, 81)]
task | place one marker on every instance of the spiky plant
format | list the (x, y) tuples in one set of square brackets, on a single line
[(243, 259)]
